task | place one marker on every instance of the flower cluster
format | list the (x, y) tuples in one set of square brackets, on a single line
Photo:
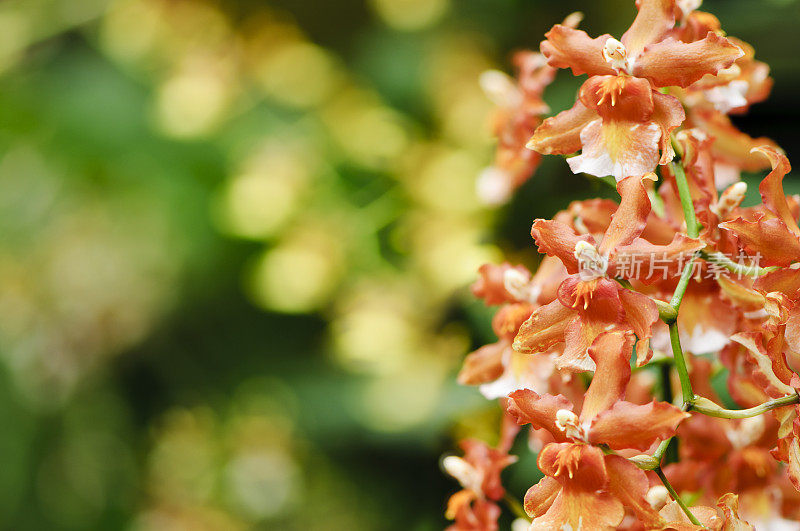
[(609, 350)]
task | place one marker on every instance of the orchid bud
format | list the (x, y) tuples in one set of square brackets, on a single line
[(657, 496)]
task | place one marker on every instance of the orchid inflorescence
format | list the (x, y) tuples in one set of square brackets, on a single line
[(583, 340)]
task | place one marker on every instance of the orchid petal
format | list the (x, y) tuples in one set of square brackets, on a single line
[(731, 146), (490, 285), (617, 148), (654, 20), (771, 187), (484, 365), (611, 353), (786, 281), (668, 113), (628, 425), (571, 48), (581, 504), (556, 239), (769, 237), (623, 98), (671, 62), (769, 371), (541, 496), (544, 328), (629, 484), (629, 220), (527, 407), (561, 134), (641, 314)]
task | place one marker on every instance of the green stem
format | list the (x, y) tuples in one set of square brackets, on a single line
[(516, 507), (675, 496), (692, 227), (683, 284), (662, 449), (707, 407), (680, 365), (733, 267)]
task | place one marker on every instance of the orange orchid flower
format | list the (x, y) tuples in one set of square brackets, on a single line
[(620, 120), (590, 301), (583, 486), (772, 234), (473, 507)]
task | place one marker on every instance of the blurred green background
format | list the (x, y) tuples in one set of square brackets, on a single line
[(236, 239)]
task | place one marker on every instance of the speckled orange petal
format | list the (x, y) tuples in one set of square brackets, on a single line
[(641, 314), (611, 353), (654, 20), (581, 504), (527, 407), (630, 218), (629, 484), (556, 239), (792, 333), (509, 318), (769, 237), (541, 496), (594, 214), (603, 314), (544, 328), (729, 505), (629, 425), (771, 374), (580, 294), (699, 166), (771, 187), (571, 48), (657, 261), (678, 521), (561, 134), (668, 113), (706, 320), (671, 62), (484, 365), (788, 451), (548, 277), (785, 280)]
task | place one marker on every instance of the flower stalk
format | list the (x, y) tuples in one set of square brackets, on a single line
[(692, 226), (740, 269), (675, 496), (707, 407)]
